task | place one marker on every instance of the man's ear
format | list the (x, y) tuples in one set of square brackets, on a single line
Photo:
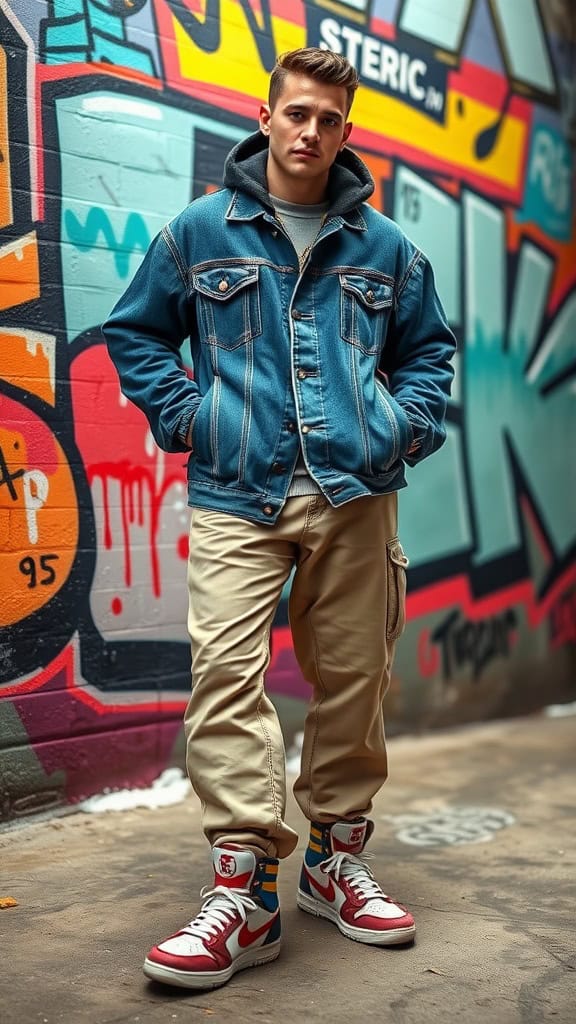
[(347, 129), (264, 119)]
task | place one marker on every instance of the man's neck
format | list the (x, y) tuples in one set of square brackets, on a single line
[(304, 193)]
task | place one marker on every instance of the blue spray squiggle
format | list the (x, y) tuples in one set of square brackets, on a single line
[(85, 236)]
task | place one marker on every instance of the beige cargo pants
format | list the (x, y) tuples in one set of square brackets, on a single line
[(346, 612)]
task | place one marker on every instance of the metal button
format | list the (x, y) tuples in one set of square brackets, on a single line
[(268, 510), (305, 429), (274, 233), (301, 374), (278, 468), (370, 296), (223, 286), (292, 428), (296, 314)]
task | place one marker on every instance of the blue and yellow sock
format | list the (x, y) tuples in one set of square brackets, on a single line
[(265, 882), (319, 847)]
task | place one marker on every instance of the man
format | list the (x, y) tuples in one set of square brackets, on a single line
[(321, 361)]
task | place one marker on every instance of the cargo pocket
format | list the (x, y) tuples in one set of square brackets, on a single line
[(397, 563)]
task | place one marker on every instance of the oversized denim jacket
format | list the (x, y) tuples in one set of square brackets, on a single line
[(347, 357)]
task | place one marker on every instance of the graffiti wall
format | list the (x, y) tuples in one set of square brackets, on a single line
[(114, 114)]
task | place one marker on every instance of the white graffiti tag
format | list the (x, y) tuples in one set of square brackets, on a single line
[(452, 826)]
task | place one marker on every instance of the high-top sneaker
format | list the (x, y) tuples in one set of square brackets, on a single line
[(237, 927), (337, 884)]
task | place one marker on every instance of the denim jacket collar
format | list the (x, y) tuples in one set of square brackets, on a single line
[(244, 207)]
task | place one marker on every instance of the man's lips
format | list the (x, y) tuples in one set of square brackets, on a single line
[(306, 152)]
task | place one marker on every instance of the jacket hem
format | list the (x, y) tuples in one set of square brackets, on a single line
[(264, 508)]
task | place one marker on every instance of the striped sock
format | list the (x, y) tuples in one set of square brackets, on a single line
[(318, 848), (265, 881)]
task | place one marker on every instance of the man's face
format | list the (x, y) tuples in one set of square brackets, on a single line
[(307, 129)]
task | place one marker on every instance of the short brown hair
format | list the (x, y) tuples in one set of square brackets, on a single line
[(323, 65)]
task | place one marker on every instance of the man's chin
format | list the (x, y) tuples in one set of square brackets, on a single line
[(306, 168)]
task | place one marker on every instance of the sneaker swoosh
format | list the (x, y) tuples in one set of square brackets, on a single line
[(327, 891), (246, 936)]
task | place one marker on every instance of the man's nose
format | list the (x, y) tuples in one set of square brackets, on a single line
[(310, 131)]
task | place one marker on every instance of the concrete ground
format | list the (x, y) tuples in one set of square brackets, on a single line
[(475, 832)]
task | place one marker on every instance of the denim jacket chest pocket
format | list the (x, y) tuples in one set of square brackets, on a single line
[(365, 306), (228, 305)]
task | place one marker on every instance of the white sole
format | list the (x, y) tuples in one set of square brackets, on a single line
[(393, 937), (214, 979)]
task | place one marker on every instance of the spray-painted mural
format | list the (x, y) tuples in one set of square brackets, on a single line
[(113, 115)]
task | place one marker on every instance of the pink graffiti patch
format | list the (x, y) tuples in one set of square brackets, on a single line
[(121, 451)]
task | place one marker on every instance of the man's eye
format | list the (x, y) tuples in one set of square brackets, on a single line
[(295, 114)]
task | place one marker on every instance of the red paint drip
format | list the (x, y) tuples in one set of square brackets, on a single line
[(116, 606), (139, 481), (428, 655), (183, 547), (106, 506)]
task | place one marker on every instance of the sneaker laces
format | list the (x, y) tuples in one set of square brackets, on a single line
[(220, 907), (356, 872)]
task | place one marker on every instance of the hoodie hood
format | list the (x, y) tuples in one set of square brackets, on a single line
[(349, 184)]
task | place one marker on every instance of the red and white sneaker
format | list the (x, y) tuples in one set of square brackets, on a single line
[(238, 926), (337, 884)]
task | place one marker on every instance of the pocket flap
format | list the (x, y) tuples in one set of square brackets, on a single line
[(396, 553), (222, 283), (373, 294), (396, 597)]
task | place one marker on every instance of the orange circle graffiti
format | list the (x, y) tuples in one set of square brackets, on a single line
[(38, 517)]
